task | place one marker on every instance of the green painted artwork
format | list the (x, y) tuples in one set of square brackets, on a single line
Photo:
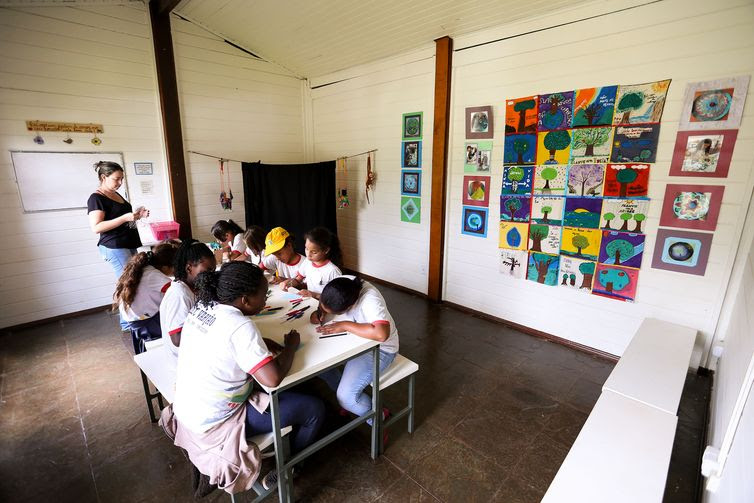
[(412, 126), (411, 209)]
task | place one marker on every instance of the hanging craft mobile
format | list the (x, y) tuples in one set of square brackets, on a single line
[(343, 202), (371, 177), (226, 199), (38, 139)]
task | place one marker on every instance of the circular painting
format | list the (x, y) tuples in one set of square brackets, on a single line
[(691, 205), (712, 105), (680, 251)]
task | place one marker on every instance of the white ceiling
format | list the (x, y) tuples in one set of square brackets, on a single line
[(312, 38)]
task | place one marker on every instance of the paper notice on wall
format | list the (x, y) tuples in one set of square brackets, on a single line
[(147, 187)]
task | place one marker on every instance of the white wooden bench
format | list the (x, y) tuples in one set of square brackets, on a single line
[(400, 369)]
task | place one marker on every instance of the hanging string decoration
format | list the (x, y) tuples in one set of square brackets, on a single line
[(226, 198), (371, 177)]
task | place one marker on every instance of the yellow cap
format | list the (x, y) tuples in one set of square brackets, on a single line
[(275, 240)]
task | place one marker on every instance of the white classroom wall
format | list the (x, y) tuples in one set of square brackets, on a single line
[(72, 64)]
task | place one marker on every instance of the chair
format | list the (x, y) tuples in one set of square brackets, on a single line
[(401, 368)]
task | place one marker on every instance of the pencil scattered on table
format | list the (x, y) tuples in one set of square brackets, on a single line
[(333, 335)]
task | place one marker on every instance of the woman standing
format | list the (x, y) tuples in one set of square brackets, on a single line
[(113, 218)]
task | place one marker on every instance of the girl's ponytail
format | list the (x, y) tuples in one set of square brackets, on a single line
[(125, 290), (206, 287)]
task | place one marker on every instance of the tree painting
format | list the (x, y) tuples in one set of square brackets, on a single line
[(613, 280), (512, 262), (585, 179), (546, 210), (521, 107), (538, 232), (587, 269), (626, 217), (542, 265), (521, 146), (513, 238), (515, 175), (548, 174), (554, 141), (629, 101), (619, 248), (588, 138), (579, 241), (608, 218), (591, 112), (638, 218), (512, 205), (625, 176)]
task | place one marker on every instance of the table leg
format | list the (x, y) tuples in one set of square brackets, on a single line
[(148, 396), (285, 488), (377, 413)]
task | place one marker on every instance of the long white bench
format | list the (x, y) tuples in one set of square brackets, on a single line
[(400, 369)]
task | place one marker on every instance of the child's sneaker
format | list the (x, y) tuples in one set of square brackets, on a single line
[(271, 479)]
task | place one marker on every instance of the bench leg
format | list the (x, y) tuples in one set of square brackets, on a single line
[(148, 395), (376, 408), (411, 383)]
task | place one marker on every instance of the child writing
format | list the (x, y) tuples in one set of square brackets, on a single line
[(230, 236), (253, 238), (323, 256), (281, 259), (366, 315), (140, 290), (191, 259), (221, 349)]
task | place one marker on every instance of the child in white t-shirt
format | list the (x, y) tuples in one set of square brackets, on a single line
[(253, 238), (221, 349), (191, 259), (140, 290), (323, 256), (366, 315), (230, 236), (281, 259)]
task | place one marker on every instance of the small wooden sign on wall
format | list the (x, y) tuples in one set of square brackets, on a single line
[(65, 127)]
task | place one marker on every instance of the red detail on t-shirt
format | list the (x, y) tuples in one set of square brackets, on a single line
[(260, 365), (165, 287)]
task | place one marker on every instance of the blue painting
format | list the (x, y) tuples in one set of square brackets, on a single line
[(583, 212), (594, 106), (520, 149), (474, 221), (515, 208), (635, 143), (543, 268), (554, 111), (518, 180), (621, 248)]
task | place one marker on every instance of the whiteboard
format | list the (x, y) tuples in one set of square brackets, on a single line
[(52, 181)]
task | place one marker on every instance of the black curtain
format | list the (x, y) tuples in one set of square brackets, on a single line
[(296, 197)]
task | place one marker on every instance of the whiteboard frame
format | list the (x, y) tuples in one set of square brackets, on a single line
[(124, 186)]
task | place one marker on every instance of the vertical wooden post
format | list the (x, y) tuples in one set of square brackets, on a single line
[(159, 13), (443, 69)]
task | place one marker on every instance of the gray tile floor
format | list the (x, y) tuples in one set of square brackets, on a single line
[(497, 411)]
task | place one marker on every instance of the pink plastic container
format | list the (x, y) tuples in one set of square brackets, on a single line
[(165, 230)]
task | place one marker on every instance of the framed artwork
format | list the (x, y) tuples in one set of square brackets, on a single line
[(412, 126), (594, 106), (513, 235), (520, 149), (547, 210), (517, 180), (554, 147), (411, 209), (625, 215), (585, 180), (635, 143), (591, 145), (550, 180), (543, 268), (682, 251), (476, 190), (640, 103), (583, 212), (474, 221), (703, 153), (621, 248), (478, 157), (692, 206), (521, 115), (411, 154), (615, 282), (554, 111), (513, 263), (714, 104), (580, 243), (411, 182), (544, 238), (626, 180), (479, 122), (515, 208), (576, 274)]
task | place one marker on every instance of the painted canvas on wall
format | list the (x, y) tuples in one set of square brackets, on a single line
[(635, 143), (412, 126), (515, 208), (411, 154), (478, 157), (474, 221), (411, 182), (640, 103), (521, 115), (479, 122), (576, 274), (580, 243), (594, 106), (513, 235), (411, 209), (544, 238), (554, 147), (585, 180), (550, 180), (513, 263), (582, 212), (703, 153), (692, 206), (547, 210), (554, 111), (520, 149), (626, 215), (591, 145), (714, 104), (543, 268), (626, 180), (621, 248), (682, 251), (476, 190), (615, 282), (517, 180)]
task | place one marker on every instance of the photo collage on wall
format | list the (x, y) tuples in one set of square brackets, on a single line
[(476, 168), (574, 194), (411, 165), (707, 132)]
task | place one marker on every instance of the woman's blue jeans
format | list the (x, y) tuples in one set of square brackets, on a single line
[(117, 258)]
